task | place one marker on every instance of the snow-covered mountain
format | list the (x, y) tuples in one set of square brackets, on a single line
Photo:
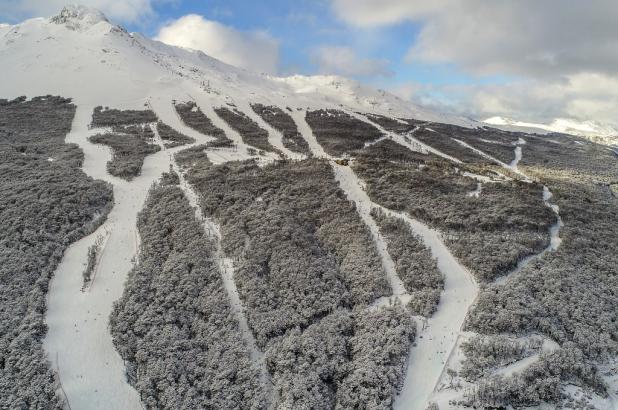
[(218, 238), (80, 54), (599, 133)]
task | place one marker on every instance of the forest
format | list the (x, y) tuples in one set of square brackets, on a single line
[(249, 130), (569, 295), (396, 125), (307, 269), (130, 146), (497, 143), (193, 117), (490, 234), (111, 117), (173, 325), (46, 203), (414, 264), (284, 123), (172, 138), (340, 133)]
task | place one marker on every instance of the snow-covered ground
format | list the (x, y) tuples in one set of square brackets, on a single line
[(96, 63), (600, 133), (436, 336), (78, 341)]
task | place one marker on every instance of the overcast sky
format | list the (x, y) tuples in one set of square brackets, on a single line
[(526, 59)]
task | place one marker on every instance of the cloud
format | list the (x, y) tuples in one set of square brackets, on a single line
[(525, 37), (579, 97), (562, 55), (125, 11), (256, 50), (371, 13), (344, 61), (490, 36)]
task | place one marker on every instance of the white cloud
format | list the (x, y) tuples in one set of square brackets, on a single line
[(116, 10), (524, 37), (369, 13), (256, 51), (579, 97), (344, 61), (563, 54)]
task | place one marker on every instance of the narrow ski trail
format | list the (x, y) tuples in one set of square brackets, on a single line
[(413, 144), (349, 184), (554, 230), (275, 137), (226, 269), (439, 336), (436, 336)]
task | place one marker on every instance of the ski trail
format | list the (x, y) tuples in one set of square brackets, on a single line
[(513, 164), (439, 334), (348, 181), (554, 229), (78, 341), (483, 154), (413, 145), (548, 346), (437, 339), (275, 137), (243, 148), (305, 130), (226, 268), (167, 113), (554, 240)]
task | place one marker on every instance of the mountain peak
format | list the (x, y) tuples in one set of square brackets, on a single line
[(79, 17)]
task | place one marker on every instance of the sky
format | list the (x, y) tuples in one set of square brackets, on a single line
[(535, 61)]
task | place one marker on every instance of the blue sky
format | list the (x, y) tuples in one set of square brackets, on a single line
[(301, 26), (531, 60)]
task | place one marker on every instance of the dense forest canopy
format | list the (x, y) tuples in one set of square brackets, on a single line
[(46, 203)]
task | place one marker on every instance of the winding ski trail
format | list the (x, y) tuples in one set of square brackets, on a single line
[(439, 334), (78, 341)]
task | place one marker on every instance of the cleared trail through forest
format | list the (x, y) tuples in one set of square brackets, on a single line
[(349, 184), (554, 230), (411, 143), (436, 336), (78, 341), (226, 266), (275, 137), (439, 336), (207, 106)]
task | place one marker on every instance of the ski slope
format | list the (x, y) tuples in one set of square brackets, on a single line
[(87, 58)]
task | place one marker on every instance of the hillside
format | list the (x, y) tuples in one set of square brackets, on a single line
[(181, 233)]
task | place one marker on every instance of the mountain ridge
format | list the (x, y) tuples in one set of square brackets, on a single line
[(70, 41)]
